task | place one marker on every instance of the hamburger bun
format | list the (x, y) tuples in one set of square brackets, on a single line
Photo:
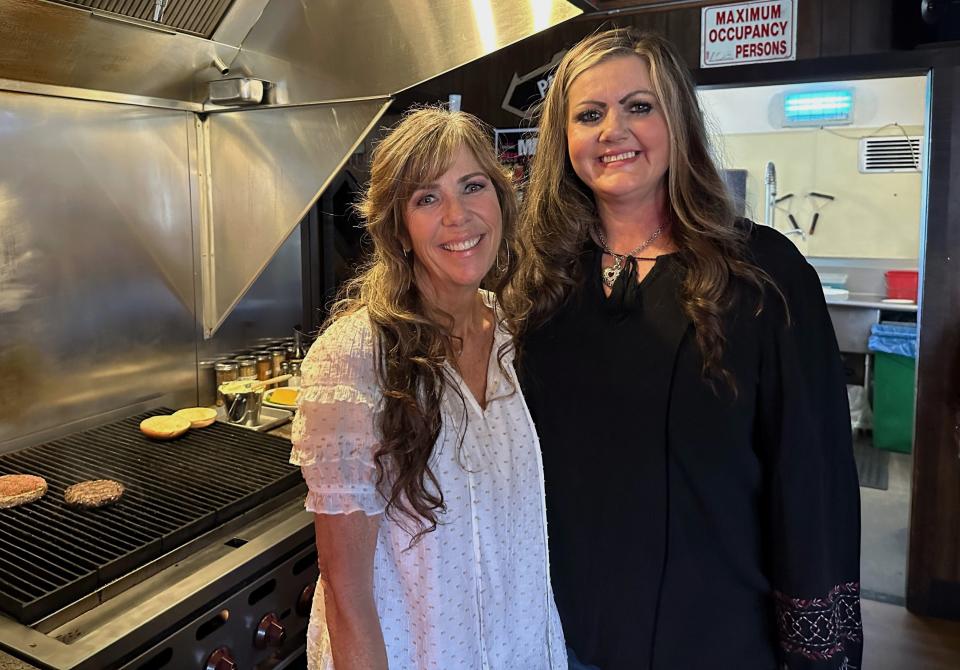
[(21, 489), (199, 417), (94, 493), (164, 427)]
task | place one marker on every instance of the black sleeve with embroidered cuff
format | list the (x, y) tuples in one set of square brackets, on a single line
[(812, 502)]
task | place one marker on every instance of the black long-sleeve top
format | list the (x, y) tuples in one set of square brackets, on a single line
[(691, 526)]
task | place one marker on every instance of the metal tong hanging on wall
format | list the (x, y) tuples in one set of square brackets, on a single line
[(796, 229), (818, 208)]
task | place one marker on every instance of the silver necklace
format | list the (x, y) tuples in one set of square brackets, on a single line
[(610, 274)]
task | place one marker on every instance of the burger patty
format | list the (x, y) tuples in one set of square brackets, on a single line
[(93, 493), (21, 489)]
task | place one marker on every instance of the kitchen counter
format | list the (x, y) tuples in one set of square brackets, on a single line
[(854, 316), (870, 301)]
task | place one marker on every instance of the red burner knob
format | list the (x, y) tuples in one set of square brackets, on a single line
[(270, 632), (221, 659), (305, 601)]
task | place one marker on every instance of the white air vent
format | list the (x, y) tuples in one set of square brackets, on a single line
[(891, 154)]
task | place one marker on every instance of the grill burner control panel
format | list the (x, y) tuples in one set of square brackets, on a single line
[(262, 626)]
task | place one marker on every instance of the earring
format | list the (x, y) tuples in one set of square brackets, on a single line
[(501, 268)]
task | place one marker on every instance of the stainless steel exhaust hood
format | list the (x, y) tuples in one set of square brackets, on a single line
[(333, 67), (267, 167)]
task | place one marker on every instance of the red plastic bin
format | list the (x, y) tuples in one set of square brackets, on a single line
[(902, 284)]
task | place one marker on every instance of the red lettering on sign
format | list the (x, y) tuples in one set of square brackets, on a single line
[(749, 14)]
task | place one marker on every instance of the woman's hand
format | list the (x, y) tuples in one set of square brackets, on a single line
[(345, 546)]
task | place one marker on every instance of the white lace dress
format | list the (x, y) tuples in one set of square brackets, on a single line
[(474, 594)]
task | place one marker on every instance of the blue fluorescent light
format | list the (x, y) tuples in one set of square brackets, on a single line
[(818, 108)]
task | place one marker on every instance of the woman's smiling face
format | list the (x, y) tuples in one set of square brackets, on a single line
[(454, 225), (617, 135)]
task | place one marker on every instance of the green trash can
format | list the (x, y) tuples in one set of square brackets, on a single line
[(894, 348), (893, 402)]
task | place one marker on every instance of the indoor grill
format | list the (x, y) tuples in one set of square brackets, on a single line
[(208, 554)]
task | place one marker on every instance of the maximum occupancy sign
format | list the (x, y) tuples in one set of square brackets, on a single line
[(749, 32)]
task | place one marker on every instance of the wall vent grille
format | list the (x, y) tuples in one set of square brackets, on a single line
[(891, 154), (195, 17)]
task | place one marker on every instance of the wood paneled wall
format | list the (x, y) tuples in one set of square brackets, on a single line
[(825, 28)]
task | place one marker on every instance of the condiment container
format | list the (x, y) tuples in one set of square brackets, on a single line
[(278, 355), (300, 344), (294, 381), (242, 402), (225, 371), (248, 367), (264, 366)]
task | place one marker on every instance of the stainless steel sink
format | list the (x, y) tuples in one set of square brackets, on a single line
[(852, 326)]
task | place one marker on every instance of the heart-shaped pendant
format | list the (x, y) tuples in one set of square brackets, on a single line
[(610, 274)]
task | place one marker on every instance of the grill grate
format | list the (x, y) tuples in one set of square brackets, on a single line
[(52, 555)]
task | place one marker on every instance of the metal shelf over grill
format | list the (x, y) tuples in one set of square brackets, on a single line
[(52, 554)]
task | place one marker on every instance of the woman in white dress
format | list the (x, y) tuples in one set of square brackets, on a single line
[(421, 459)]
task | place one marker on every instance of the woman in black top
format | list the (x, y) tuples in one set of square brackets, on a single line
[(682, 371)]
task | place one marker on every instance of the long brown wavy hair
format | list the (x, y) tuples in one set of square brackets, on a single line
[(559, 210), (413, 338)]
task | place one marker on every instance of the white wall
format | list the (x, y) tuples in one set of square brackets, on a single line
[(874, 215)]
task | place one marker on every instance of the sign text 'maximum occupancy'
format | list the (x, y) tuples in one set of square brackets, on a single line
[(747, 23)]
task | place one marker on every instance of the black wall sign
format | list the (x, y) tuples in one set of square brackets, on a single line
[(526, 91)]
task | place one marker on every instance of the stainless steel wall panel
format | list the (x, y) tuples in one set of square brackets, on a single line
[(343, 48), (96, 261), (256, 200)]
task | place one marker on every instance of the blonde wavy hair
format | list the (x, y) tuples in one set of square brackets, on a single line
[(413, 338), (559, 210)]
